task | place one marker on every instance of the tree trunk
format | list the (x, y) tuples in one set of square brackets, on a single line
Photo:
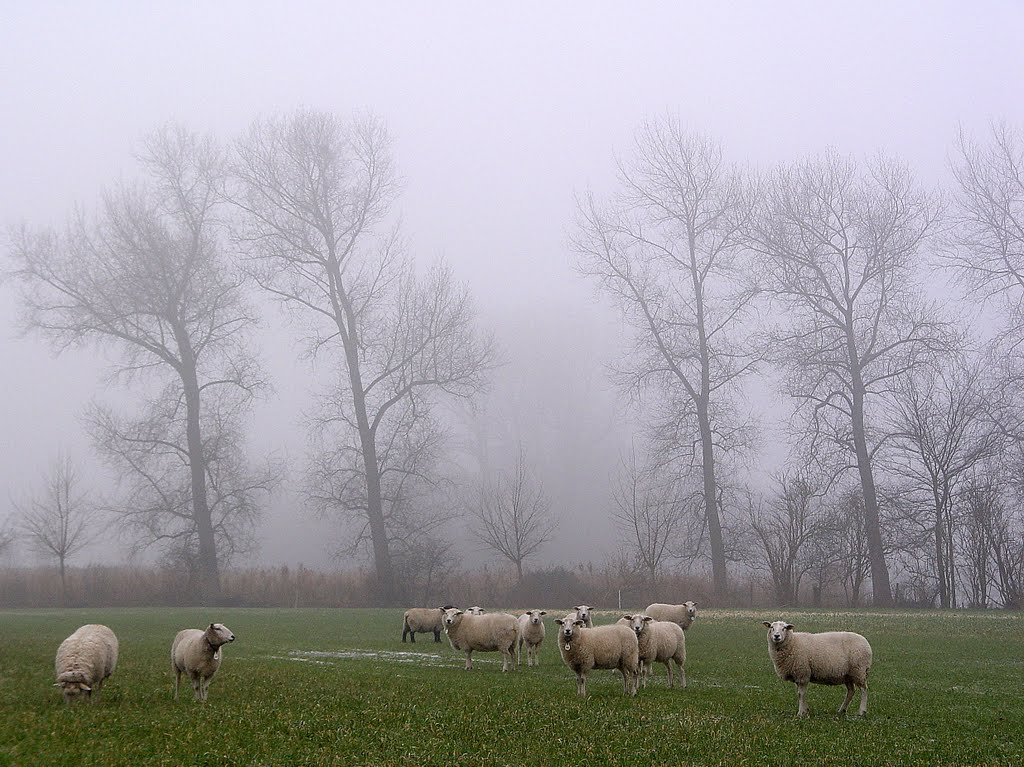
[(371, 466), (706, 435), (880, 584), (209, 569), (63, 583), (711, 503)]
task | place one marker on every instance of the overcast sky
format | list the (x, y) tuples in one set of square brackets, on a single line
[(501, 113)]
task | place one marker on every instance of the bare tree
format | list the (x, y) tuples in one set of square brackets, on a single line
[(850, 542), (60, 520), (316, 194), (787, 528), (942, 431), (841, 244), (667, 250), (7, 537), (148, 279), (649, 515), (986, 239), (513, 517)]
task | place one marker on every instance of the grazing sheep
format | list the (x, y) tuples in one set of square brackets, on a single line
[(487, 633), (197, 653), (475, 610), (683, 615), (833, 657), (531, 634), (611, 647), (84, 660), (423, 620), (658, 642), (583, 613)]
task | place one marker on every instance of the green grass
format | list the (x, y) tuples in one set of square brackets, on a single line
[(946, 688)]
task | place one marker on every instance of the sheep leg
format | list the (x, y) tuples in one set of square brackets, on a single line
[(177, 680), (469, 660), (437, 636), (671, 677), (849, 697), (197, 686), (581, 685), (863, 700), (682, 675), (801, 691), (412, 637)]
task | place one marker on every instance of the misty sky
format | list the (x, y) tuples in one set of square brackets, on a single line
[(501, 114)]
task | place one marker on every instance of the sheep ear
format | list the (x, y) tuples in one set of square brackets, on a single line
[(648, 618), (628, 617), (789, 627), (86, 688), (558, 621), (766, 623), (543, 612), (577, 607), (578, 623), (211, 627)]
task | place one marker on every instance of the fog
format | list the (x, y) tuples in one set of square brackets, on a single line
[(501, 118)]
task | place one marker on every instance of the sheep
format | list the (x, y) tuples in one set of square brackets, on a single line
[(583, 613), (423, 619), (84, 660), (658, 642), (531, 634), (833, 657), (683, 615), (197, 652), (475, 610), (486, 633), (611, 647)]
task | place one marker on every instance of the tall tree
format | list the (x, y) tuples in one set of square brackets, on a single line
[(315, 194), (667, 249), (148, 279), (841, 244), (60, 520), (513, 517)]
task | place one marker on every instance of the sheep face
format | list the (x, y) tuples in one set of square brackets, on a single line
[(583, 612), (535, 616), (475, 610), (570, 627), (778, 632), (73, 691), (452, 616), (218, 634), (691, 609), (638, 622)]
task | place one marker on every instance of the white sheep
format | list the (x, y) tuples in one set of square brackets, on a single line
[(197, 653), (486, 633), (683, 615), (531, 634), (84, 660), (832, 657), (583, 613), (475, 610), (423, 620), (658, 642), (610, 647)]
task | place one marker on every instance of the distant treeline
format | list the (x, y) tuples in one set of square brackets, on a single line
[(605, 588)]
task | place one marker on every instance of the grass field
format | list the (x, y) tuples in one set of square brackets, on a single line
[(330, 687)]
